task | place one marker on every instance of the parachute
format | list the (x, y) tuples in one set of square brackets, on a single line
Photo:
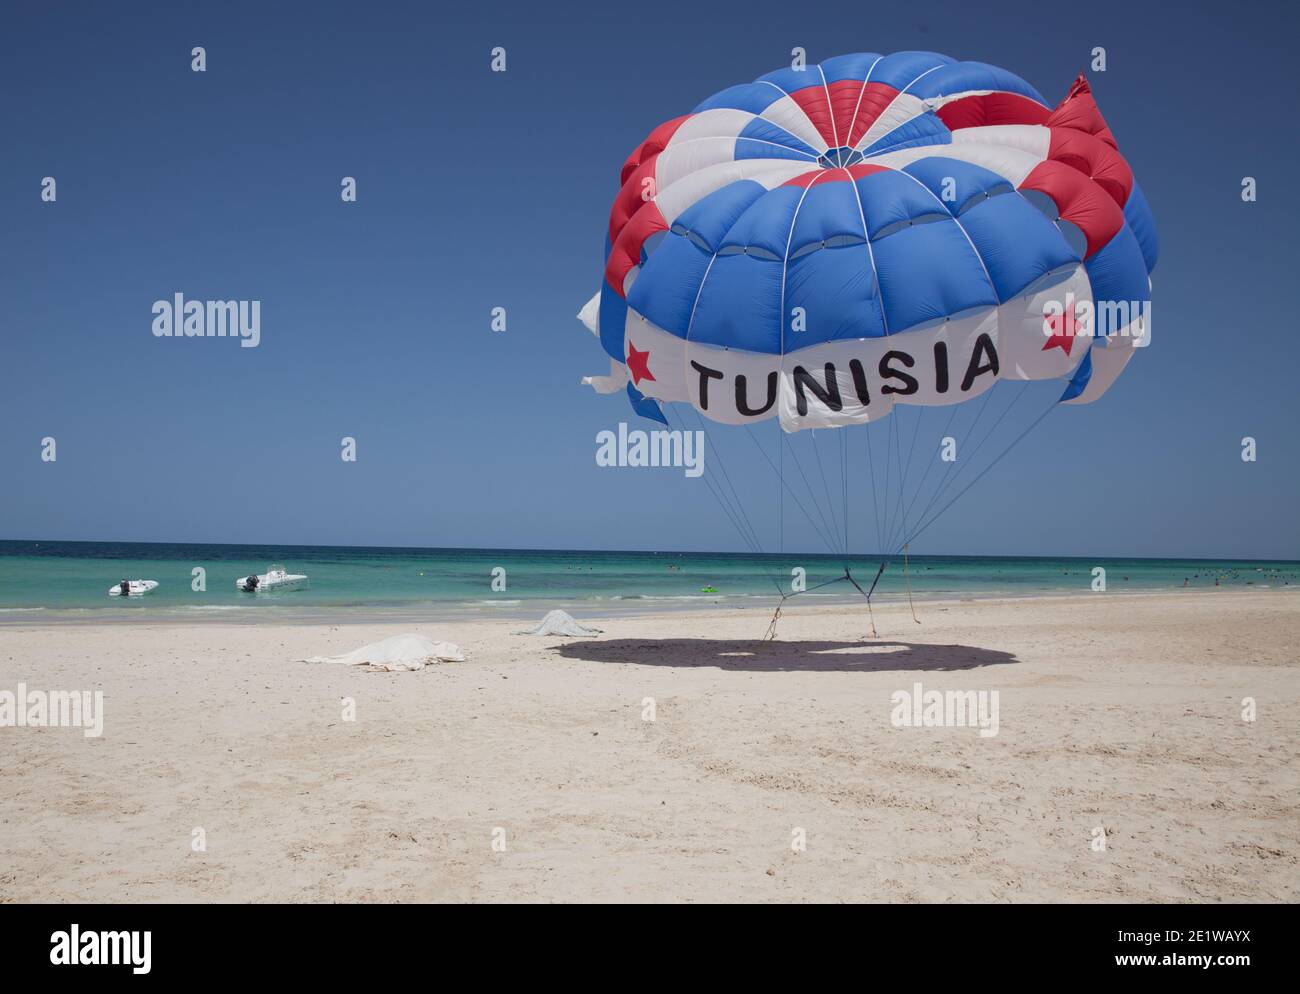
[(831, 245)]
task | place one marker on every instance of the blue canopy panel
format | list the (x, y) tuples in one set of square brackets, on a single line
[(790, 80), (667, 288), (890, 198), (613, 315), (752, 97), (738, 262), (901, 69), (739, 304), (924, 130), (1118, 272), (761, 139), (645, 406), (665, 292), (837, 289), (921, 74), (1079, 380), (1118, 275), (1137, 212), (927, 272), (1017, 244), (955, 183), (958, 77), (854, 66), (765, 225), (712, 216)]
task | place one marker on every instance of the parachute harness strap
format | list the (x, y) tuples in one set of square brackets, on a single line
[(867, 593), (771, 628)]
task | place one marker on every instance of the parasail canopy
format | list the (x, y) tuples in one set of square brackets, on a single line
[(828, 242)]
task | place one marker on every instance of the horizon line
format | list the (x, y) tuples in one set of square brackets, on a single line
[(655, 552)]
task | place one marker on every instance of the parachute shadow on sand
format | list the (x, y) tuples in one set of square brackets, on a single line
[(803, 656)]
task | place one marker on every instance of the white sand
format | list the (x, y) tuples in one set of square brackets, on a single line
[(1116, 711)]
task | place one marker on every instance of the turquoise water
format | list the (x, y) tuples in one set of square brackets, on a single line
[(70, 580)]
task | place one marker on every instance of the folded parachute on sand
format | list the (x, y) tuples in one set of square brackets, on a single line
[(559, 623), (401, 652)]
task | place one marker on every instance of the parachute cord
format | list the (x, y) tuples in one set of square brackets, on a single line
[(911, 450), (720, 497), (898, 462), (902, 480), (786, 487), (951, 481), (929, 463), (942, 483), (891, 433), (739, 520), (871, 469), (844, 486), (830, 501), (828, 530), (1016, 441), (741, 532), (844, 479), (757, 545), (780, 491), (908, 581)]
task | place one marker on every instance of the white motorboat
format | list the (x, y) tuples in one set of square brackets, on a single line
[(276, 577), (132, 588)]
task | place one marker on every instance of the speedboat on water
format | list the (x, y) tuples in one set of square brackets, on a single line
[(132, 588), (275, 578)]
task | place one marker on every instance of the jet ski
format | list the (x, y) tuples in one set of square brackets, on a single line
[(275, 578), (132, 588)]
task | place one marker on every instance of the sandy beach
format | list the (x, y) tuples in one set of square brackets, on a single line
[(531, 773)]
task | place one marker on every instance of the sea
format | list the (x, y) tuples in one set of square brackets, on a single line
[(69, 581)]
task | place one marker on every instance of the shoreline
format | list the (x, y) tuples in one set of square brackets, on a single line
[(517, 610)]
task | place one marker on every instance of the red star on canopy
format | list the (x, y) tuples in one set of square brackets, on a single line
[(1062, 328), (638, 364)]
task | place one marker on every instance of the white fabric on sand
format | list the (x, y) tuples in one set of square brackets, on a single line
[(401, 652), (560, 623)]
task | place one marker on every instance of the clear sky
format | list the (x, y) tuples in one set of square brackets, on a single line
[(481, 189)]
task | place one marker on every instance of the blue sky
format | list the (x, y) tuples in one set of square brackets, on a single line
[(481, 189)]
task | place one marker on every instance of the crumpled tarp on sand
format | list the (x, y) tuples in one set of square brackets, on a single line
[(559, 623), (401, 652)]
